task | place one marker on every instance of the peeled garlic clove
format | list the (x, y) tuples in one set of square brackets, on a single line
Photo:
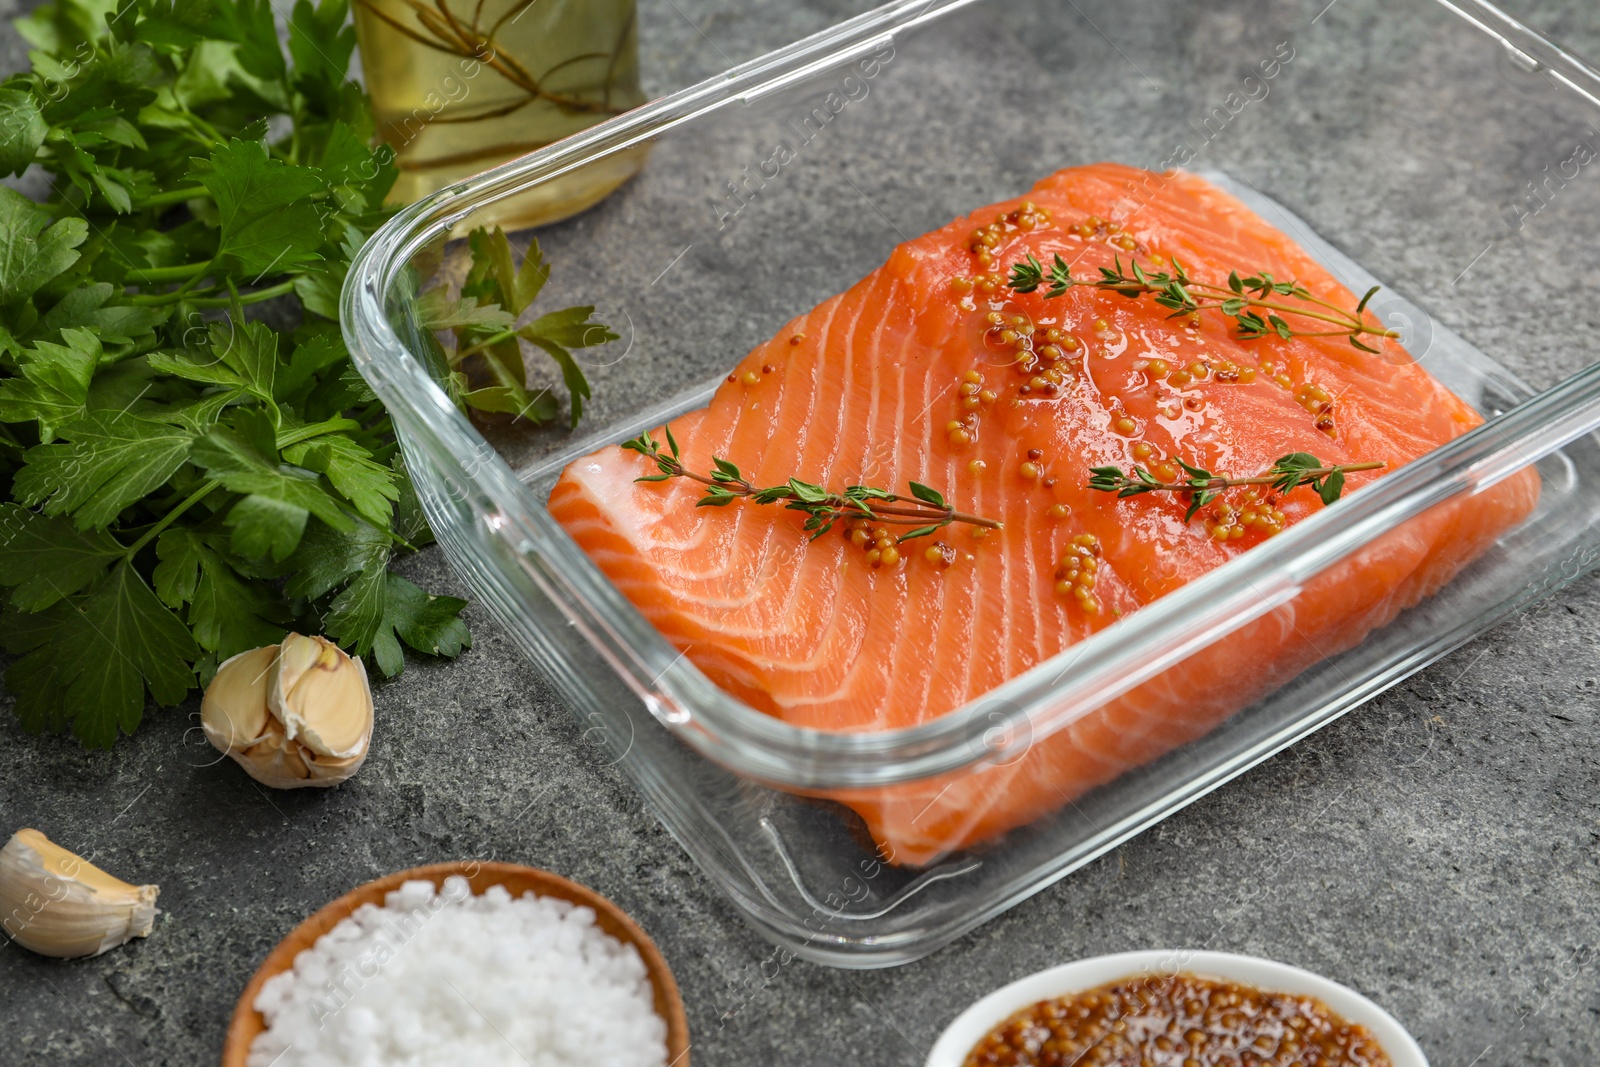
[(322, 698), (234, 712), (59, 904)]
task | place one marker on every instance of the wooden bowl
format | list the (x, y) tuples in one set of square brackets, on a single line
[(247, 1022)]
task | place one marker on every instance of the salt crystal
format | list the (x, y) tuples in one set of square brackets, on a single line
[(447, 979)]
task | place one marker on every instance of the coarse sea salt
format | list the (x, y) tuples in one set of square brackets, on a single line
[(449, 979)]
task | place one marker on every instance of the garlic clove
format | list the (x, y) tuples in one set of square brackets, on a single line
[(322, 698), (292, 715), (275, 760), (59, 904), (234, 712)]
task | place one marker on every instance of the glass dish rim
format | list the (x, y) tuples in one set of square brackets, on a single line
[(990, 727)]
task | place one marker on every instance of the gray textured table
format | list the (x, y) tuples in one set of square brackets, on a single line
[(1436, 850)]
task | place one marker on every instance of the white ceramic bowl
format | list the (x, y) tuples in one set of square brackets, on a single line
[(971, 1025)]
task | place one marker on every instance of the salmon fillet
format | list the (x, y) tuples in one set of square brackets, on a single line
[(867, 389)]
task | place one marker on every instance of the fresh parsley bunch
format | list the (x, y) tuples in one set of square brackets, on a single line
[(193, 464)]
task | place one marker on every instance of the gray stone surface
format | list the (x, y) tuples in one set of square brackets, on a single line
[(1436, 849)]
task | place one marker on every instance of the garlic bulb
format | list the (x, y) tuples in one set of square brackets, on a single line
[(59, 904), (292, 715)]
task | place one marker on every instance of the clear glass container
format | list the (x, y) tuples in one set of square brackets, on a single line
[(1424, 144)]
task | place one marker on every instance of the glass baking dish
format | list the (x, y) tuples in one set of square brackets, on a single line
[(1439, 147)]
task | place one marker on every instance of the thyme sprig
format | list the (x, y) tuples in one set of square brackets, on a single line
[(1288, 472), (1251, 301), (925, 508)]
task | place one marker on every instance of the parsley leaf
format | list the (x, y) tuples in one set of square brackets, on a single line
[(378, 610), (105, 462), (266, 222), (244, 355), (191, 475), (228, 613), (87, 660), (487, 371), (278, 498), (54, 382), (368, 485), (45, 559), (32, 250), (22, 130)]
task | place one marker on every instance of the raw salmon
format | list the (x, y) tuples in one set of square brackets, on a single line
[(868, 388)]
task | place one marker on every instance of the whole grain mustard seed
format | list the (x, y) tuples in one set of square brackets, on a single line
[(1030, 471), (1196, 1022)]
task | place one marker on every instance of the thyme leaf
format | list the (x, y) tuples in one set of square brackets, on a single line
[(1287, 473), (925, 509), (1257, 303)]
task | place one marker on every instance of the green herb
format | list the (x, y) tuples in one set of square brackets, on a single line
[(486, 371), (194, 464), (1243, 299), (1295, 469), (925, 509)]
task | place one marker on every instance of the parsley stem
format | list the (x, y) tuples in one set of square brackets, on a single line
[(158, 275), (171, 196), (486, 343), (316, 429), (166, 520), (270, 293), (162, 299), (194, 280)]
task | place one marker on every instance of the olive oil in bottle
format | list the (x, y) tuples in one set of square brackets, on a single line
[(459, 86)]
